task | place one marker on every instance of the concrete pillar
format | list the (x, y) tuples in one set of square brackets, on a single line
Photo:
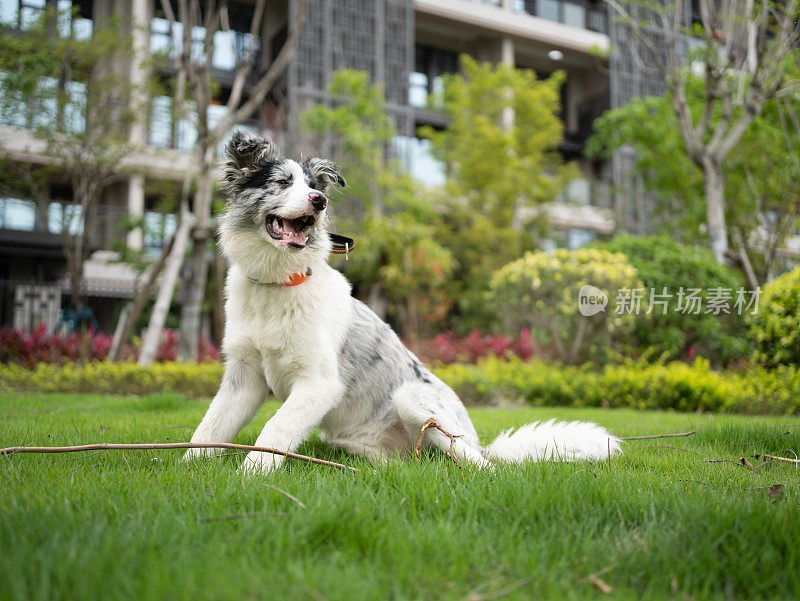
[(507, 55), (135, 239), (140, 21), (507, 58)]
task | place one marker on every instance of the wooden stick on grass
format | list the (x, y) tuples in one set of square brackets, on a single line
[(169, 445), (659, 436), (786, 459), (661, 446)]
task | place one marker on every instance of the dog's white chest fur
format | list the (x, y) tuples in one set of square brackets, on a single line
[(294, 329)]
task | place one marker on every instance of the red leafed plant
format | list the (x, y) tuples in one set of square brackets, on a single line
[(450, 348), (30, 348)]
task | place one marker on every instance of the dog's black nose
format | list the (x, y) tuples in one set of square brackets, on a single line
[(318, 200)]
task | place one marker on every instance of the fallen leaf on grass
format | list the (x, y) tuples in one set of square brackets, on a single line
[(776, 491), (600, 584)]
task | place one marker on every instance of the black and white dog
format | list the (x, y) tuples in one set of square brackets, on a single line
[(293, 329)]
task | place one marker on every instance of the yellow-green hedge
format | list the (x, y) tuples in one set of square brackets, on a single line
[(675, 385), (104, 377)]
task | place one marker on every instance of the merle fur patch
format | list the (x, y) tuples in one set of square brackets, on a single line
[(246, 155), (324, 173)]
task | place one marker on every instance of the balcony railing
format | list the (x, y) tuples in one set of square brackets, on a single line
[(576, 13)]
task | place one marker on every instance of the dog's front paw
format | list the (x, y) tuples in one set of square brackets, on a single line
[(257, 462), (485, 465), (192, 454)]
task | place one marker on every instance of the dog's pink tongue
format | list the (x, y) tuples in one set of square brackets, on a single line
[(295, 236)]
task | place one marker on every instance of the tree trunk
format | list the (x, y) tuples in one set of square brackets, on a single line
[(132, 310), (747, 268), (195, 288), (219, 295), (161, 308), (377, 300), (192, 309), (715, 208), (75, 267), (412, 326)]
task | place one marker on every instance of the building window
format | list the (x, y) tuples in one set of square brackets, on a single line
[(63, 217), (23, 14), (16, 214), (9, 11), (430, 65), (166, 132), (73, 23), (158, 228), (575, 13), (548, 9), (181, 134), (60, 105), (416, 157), (228, 45), (30, 11), (418, 89)]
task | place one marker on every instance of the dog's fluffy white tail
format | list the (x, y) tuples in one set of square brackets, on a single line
[(564, 441)]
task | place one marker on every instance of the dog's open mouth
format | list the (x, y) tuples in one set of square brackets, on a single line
[(291, 232)]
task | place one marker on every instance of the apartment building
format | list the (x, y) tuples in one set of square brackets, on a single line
[(408, 45)]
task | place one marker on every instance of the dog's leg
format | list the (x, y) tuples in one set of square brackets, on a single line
[(243, 389), (309, 401), (417, 402)]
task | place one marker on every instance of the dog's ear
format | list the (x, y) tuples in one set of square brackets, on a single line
[(325, 172), (245, 153)]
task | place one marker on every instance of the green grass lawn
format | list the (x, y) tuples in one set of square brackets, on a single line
[(655, 523)]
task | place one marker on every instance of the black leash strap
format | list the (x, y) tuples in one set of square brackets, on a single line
[(341, 244)]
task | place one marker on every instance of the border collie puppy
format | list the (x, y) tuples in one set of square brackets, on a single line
[(293, 330)]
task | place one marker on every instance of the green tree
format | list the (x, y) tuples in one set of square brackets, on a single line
[(760, 175), (742, 50), (69, 92), (399, 266), (501, 154)]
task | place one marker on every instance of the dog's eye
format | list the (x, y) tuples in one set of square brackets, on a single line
[(285, 182)]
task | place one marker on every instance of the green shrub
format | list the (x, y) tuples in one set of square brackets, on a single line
[(540, 291), (663, 263), (676, 385), (195, 380), (775, 329)]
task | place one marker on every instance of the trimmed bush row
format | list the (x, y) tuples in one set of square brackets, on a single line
[(196, 380), (675, 385)]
